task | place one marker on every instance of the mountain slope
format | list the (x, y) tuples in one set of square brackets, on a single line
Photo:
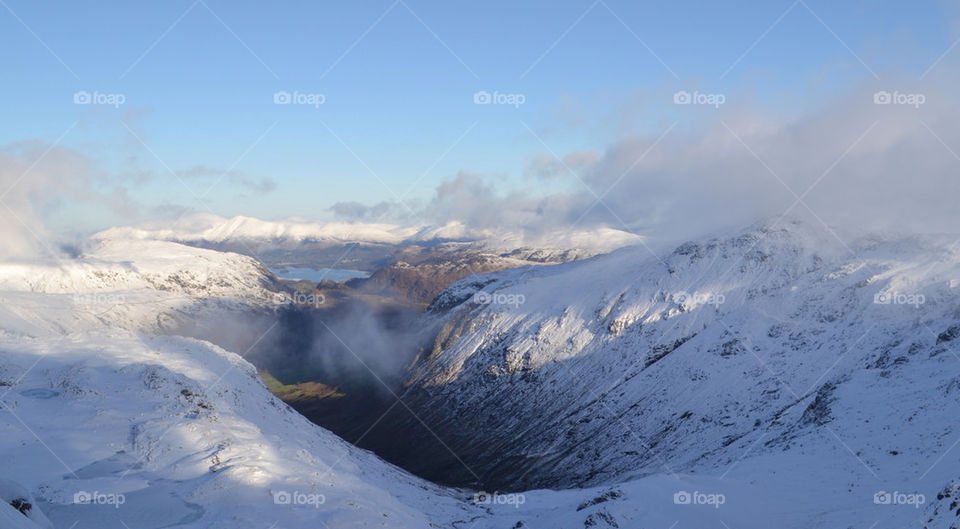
[(113, 265), (419, 273), (165, 430), (774, 352), (775, 392), (150, 286)]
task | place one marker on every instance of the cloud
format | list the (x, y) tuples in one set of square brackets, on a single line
[(850, 164), (476, 202), (212, 176), (379, 212), (40, 182), (34, 175), (546, 166)]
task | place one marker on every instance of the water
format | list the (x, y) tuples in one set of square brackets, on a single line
[(317, 274)]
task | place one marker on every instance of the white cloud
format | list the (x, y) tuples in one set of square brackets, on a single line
[(855, 164)]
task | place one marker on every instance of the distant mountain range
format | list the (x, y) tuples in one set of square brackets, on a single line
[(370, 245)]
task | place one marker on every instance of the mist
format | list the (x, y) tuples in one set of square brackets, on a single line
[(33, 174), (40, 180), (355, 347)]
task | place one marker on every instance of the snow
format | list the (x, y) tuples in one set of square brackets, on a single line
[(210, 228), (217, 229), (186, 433), (13, 494), (791, 403), (124, 265), (769, 357), (167, 430)]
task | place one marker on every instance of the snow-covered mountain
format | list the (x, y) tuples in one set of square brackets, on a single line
[(140, 285), (768, 378), (108, 424), (212, 229), (187, 434), (162, 431), (115, 265), (778, 357)]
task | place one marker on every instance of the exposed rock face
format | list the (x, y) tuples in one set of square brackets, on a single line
[(419, 273)]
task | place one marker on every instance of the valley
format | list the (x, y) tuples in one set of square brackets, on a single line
[(736, 369), (627, 372), (413, 264)]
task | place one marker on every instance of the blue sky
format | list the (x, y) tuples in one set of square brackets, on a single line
[(398, 81)]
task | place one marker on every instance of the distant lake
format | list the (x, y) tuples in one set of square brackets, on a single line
[(317, 274)]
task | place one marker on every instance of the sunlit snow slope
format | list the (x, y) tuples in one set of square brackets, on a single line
[(820, 372)]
